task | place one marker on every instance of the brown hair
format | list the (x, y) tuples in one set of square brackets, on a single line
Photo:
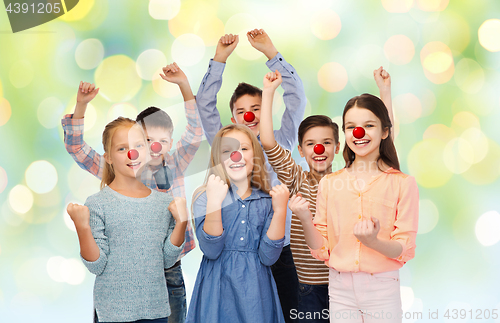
[(241, 90), (387, 150), (154, 117), (260, 178), (108, 174), (318, 121)]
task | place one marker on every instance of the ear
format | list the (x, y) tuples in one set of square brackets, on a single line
[(107, 158), (337, 149), (386, 133), (300, 151), (233, 120)]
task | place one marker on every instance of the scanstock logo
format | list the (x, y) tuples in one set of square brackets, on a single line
[(25, 14)]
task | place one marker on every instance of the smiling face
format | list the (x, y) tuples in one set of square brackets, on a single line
[(162, 136), (124, 140), (319, 163), (244, 104), (237, 170), (368, 146)]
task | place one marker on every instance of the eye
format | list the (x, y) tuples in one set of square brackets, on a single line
[(121, 149), (256, 109), (164, 141), (140, 145), (244, 149), (326, 143), (309, 144), (225, 151), (350, 127), (148, 140), (369, 126)]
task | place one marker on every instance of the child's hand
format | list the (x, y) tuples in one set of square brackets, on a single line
[(300, 207), (261, 42), (86, 92), (225, 47), (280, 195), (383, 79), (178, 209), (80, 215), (366, 231), (216, 190), (173, 74), (272, 80)]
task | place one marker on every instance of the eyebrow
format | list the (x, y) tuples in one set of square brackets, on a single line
[(253, 105)]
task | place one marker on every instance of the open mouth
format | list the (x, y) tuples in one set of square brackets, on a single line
[(237, 166), (319, 158), (252, 125), (155, 155), (134, 165), (362, 142)]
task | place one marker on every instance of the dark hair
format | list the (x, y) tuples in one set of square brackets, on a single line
[(318, 121), (387, 149), (241, 90), (154, 117)]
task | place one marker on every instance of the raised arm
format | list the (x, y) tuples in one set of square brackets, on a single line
[(211, 83), (383, 80), (73, 125), (271, 82)]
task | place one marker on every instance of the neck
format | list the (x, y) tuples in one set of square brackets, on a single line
[(366, 163), (243, 187), (122, 183), (320, 175)]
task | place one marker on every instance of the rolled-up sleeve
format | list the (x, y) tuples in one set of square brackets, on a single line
[(170, 252), (321, 222), (406, 224), (97, 224), (211, 246), (269, 250)]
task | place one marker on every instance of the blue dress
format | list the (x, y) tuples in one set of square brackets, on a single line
[(234, 282)]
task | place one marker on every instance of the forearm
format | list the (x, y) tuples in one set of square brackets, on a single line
[(213, 221), (389, 248), (186, 91), (88, 247), (178, 235), (80, 109), (313, 237), (266, 121), (276, 229), (386, 97)]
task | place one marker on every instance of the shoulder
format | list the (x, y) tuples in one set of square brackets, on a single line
[(333, 175), (261, 194), (162, 196)]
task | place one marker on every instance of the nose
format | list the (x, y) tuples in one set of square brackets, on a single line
[(358, 132), (133, 154), (249, 116), (319, 149), (156, 147), (235, 156)]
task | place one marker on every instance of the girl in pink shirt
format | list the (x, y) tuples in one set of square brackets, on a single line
[(366, 219)]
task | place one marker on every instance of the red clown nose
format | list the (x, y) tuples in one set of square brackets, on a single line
[(156, 147), (358, 132), (249, 116), (319, 149), (133, 154), (235, 156)]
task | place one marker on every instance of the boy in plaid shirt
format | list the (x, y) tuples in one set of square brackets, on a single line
[(165, 172)]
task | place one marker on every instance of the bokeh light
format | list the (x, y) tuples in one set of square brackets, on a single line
[(122, 109), (164, 9), (20, 199), (21, 73), (79, 12), (469, 76), (332, 77), (488, 35), (407, 108), (425, 163), (326, 24), (164, 88), (437, 62), (41, 177), (429, 102), (3, 179), (89, 53), (432, 5), (399, 49), (72, 271), (117, 78), (148, 63), (455, 155), (488, 228), (479, 143), (428, 216), (81, 183), (240, 24), (463, 121), (46, 111), (188, 50), (407, 297), (440, 132), (397, 6), (5, 111), (487, 170)]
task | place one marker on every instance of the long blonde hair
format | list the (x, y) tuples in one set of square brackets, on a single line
[(108, 174), (259, 179)]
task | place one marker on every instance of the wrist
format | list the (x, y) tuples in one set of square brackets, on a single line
[(271, 53), (83, 227), (220, 58)]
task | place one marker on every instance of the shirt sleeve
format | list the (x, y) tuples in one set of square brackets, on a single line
[(321, 222), (97, 226), (86, 157), (269, 250), (206, 99), (190, 140), (295, 101), (285, 167), (406, 224), (170, 252), (211, 246)]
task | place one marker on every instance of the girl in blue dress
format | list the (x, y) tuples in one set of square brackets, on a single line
[(239, 234)]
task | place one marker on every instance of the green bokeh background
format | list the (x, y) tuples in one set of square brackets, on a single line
[(447, 125)]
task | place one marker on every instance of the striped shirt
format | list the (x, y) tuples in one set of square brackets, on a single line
[(90, 160), (310, 271)]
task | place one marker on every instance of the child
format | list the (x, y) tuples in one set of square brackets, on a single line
[(159, 128), (239, 234), (366, 219), (246, 100), (127, 236), (318, 143)]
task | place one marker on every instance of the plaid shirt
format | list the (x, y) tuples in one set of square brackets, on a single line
[(91, 161)]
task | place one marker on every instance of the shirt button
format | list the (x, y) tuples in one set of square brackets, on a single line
[(356, 262), (281, 59), (243, 221), (241, 238), (359, 216), (357, 240), (243, 206)]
